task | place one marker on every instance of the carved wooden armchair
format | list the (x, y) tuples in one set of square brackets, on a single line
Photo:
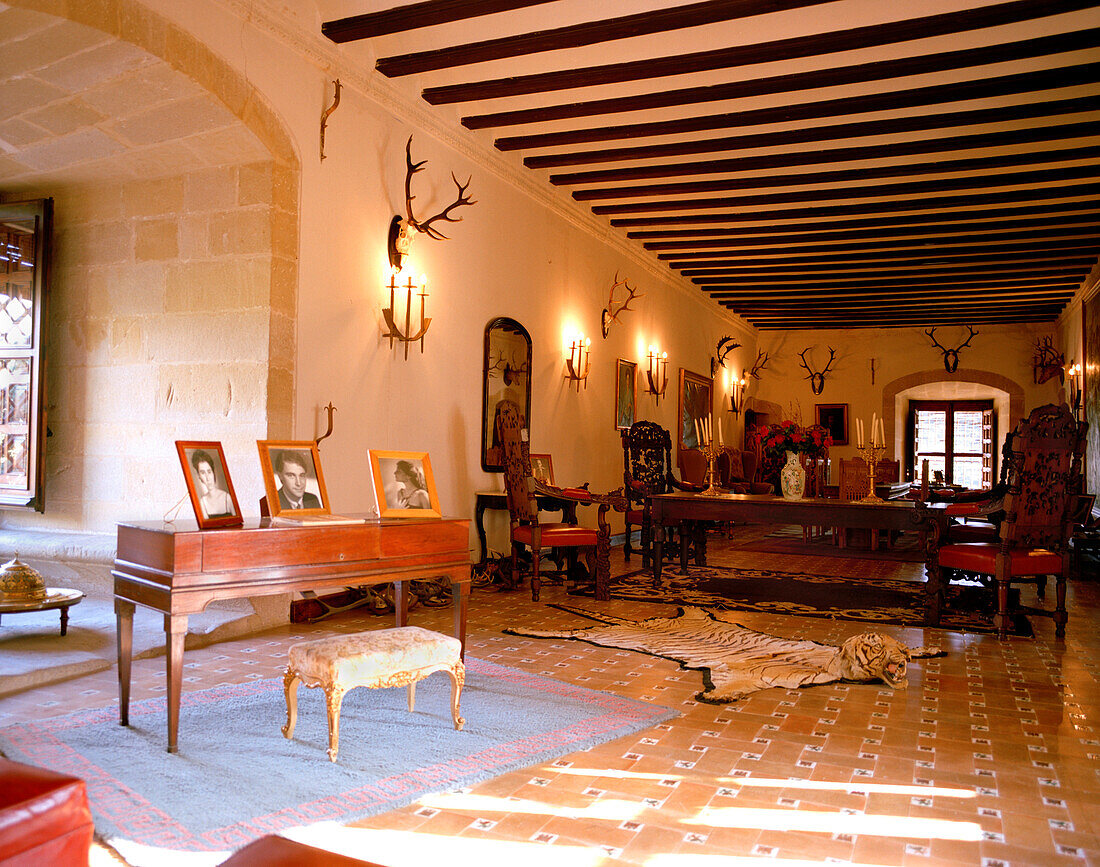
[(521, 488), (855, 484), (647, 470), (1042, 500), (737, 472)]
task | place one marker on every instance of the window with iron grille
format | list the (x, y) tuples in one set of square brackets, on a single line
[(956, 438)]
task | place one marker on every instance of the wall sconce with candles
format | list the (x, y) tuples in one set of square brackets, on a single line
[(578, 362), (1074, 373), (390, 314), (657, 372), (737, 392)]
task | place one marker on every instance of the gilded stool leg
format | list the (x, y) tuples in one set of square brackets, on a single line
[(290, 687), (412, 696), (458, 678), (334, 697)]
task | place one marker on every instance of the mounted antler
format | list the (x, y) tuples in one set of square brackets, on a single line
[(1048, 362), (610, 314), (509, 370), (726, 345), (760, 363), (817, 379), (951, 356), (403, 230)]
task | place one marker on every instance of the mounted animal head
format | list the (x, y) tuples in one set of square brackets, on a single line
[(1048, 362), (817, 378), (726, 345), (951, 356), (404, 229), (610, 312)]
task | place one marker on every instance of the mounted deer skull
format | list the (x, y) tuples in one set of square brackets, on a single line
[(951, 356), (509, 371), (404, 229), (817, 379), (1048, 362), (610, 313), (726, 345), (760, 363)]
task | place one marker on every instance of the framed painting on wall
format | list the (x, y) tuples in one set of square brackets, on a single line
[(626, 393), (834, 418), (694, 406)]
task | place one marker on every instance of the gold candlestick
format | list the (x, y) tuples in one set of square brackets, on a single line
[(710, 453), (871, 455)]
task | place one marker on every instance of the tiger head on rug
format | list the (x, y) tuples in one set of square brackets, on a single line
[(874, 656)]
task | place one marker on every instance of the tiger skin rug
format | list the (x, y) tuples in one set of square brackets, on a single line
[(737, 661)]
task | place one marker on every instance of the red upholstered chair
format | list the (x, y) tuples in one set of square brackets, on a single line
[(737, 472), (647, 470), (521, 487), (1041, 502), (44, 817)]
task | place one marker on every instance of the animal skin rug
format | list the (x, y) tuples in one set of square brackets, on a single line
[(736, 661)]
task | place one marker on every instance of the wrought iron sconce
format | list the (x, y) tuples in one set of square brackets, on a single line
[(657, 373), (1074, 374), (393, 332), (737, 392), (579, 361)]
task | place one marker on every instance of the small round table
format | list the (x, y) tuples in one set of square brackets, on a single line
[(56, 597)]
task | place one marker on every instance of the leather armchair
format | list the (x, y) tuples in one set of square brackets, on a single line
[(737, 472)]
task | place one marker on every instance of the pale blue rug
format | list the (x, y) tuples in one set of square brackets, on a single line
[(236, 778)]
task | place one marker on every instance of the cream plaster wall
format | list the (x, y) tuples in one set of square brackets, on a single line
[(996, 364), (159, 324)]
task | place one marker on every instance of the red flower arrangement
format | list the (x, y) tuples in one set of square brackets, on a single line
[(788, 436)]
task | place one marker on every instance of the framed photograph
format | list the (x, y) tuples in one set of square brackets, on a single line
[(208, 484), (404, 485), (695, 406), (834, 418), (626, 393), (542, 468), (293, 480)]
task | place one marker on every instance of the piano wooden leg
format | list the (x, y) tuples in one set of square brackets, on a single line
[(124, 633), (175, 630)]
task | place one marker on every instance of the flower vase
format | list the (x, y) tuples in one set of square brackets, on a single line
[(792, 478)]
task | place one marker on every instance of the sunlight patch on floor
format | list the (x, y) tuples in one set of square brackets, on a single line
[(822, 785), (836, 823), (602, 809)]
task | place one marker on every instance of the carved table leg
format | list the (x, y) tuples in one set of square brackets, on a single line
[(603, 563), (124, 635), (290, 688), (458, 678), (334, 697)]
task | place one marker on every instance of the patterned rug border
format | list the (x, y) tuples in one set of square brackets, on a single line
[(678, 589)]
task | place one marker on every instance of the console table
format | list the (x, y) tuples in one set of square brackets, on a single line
[(179, 569)]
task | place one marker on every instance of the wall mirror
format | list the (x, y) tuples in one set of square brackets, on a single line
[(507, 377), (695, 405)]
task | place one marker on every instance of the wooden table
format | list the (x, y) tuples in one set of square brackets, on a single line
[(178, 569), (56, 597), (688, 510), (498, 501)]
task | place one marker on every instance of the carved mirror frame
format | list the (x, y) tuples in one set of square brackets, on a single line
[(507, 376)]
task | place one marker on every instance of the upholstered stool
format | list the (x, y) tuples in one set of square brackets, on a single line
[(383, 657), (44, 817), (274, 851)]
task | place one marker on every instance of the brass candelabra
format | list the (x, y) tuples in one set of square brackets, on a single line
[(711, 454), (871, 455)]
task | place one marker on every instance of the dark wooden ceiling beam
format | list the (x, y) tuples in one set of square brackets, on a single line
[(799, 234), (1051, 263), (870, 286), (814, 44), (904, 189), (894, 322), (416, 15), (882, 70), (895, 313), (827, 133), (884, 277), (816, 298), (590, 33), (1083, 194), (1001, 138), (1013, 84), (881, 309)]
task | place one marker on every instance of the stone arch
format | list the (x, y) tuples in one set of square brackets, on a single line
[(892, 412), (131, 22)]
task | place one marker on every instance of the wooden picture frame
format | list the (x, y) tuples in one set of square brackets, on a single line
[(296, 466), (208, 484), (834, 418), (694, 405), (626, 393), (542, 468), (394, 473)]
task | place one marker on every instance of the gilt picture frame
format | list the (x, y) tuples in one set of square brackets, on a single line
[(626, 393), (209, 486), (542, 468), (293, 480), (834, 418), (404, 486)]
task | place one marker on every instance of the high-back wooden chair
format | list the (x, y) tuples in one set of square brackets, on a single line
[(647, 470), (1041, 504), (525, 529), (855, 485)]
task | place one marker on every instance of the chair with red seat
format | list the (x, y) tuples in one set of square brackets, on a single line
[(521, 488), (1041, 502), (44, 817)]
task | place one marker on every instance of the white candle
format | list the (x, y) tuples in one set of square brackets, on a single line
[(699, 432), (719, 434), (859, 433), (881, 434), (874, 428), (710, 438)]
